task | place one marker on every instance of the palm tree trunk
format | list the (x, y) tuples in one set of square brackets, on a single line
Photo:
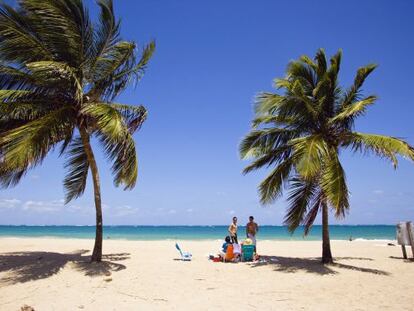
[(97, 249), (326, 244)]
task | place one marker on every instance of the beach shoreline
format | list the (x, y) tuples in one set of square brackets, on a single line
[(54, 274)]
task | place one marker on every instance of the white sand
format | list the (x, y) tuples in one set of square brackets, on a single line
[(48, 274)]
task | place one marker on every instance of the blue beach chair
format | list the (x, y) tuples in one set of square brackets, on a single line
[(247, 252), (185, 256)]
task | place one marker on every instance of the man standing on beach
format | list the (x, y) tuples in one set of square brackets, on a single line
[(251, 230), (233, 231)]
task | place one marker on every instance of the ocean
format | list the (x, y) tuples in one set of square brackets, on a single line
[(367, 232)]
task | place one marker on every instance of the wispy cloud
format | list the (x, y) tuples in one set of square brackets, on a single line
[(231, 212), (378, 191), (43, 206), (9, 203), (189, 210), (125, 210)]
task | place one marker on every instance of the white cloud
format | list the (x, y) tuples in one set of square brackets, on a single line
[(43, 206), (125, 210), (172, 211), (232, 212), (378, 191), (189, 210), (9, 203)]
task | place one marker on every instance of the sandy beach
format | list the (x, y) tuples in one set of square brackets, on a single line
[(53, 274)]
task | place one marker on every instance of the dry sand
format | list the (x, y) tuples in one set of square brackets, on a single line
[(53, 274)]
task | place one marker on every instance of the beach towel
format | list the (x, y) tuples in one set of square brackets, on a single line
[(237, 249)]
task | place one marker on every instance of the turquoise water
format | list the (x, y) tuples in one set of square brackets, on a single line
[(196, 232)]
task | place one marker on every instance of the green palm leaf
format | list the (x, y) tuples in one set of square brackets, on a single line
[(309, 154), (333, 184), (118, 143), (77, 166), (382, 146), (271, 187), (300, 195)]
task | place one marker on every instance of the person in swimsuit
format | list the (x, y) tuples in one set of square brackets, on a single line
[(251, 230), (233, 230)]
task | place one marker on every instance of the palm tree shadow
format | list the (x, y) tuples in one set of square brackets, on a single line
[(311, 265), (105, 267), (21, 267)]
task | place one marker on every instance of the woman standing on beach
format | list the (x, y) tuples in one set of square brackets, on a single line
[(233, 230)]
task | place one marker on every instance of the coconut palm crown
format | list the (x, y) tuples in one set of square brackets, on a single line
[(59, 75), (299, 134)]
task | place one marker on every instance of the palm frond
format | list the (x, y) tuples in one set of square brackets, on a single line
[(312, 212), (275, 120), (382, 146), (353, 93), (309, 153), (300, 195), (19, 42), (107, 31), (351, 112), (272, 157), (264, 140), (303, 72), (8, 177), (23, 111), (27, 145), (271, 187), (118, 68), (134, 116), (333, 185), (320, 59), (77, 165), (118, 143), (12, 78), (65, 28), (267, 103)]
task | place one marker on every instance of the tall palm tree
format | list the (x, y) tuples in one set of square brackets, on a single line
[(300, 134), (59, 76)]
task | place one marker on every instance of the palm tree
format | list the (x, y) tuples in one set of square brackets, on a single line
[(59, 76), (300, 134)]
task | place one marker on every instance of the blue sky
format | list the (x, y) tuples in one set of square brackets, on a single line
[(212, 58)]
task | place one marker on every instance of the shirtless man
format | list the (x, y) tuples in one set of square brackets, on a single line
[(233, 231), (251, 230)]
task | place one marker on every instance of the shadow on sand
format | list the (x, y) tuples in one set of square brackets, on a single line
[(312, 265), (20, 267), (402, 258)]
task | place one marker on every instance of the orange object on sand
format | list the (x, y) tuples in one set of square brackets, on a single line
[(229, 253)]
